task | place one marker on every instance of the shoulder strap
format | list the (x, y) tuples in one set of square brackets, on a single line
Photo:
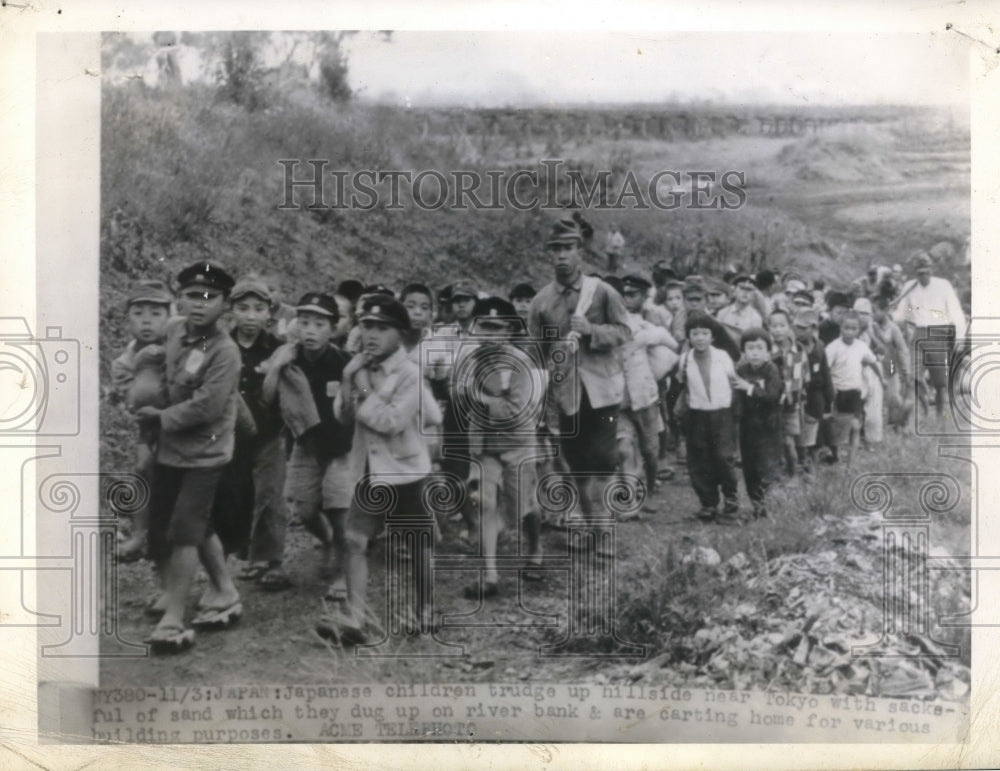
[(588, 286)]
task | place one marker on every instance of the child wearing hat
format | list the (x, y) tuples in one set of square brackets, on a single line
[(507, 389), (380, 396), (196, 443), (792, 362), (139, 379), (263, 470), (318, 483), (817, 397), (761, 442), (640, 404)]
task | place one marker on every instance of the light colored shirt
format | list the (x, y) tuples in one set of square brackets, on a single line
[(847, 362), (388, 439), (931, 305), (738, 320), (718, 395)]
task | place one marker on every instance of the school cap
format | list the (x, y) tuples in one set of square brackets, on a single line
[(694, 286), (351, 288), (522, 291), (922, 261), (714, 286), (635, 281), (463, 288), (614, 282), (494, 308), (807, 317), (790, 275), (803, 296), (206, 274), (794, 285), (662, 271), (251, 285), (863, 305), (379, 289), (741, 278), (317, 302), (570, 230), (388, 310), (154, 292)]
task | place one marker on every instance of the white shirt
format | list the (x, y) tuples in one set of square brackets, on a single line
[(719, 394), (846, 364), (930, 305)]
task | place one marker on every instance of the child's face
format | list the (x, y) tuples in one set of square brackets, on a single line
[(315, 330), (521, 305), (379, 339), (743, 293), (866, 319), (804, 333), (633, 299), (717, 300), (418, 305), (462, 307), (777, 325), (251, 314), (674, 300), (878, 314), (147, 322), (700, 338), (849, 329), (837, 312), (755, 352), (694, 302), (203, 305), (346, 320)]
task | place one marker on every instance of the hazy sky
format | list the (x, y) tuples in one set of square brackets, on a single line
[(500, 68)]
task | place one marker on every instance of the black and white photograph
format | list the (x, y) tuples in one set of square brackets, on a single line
[(546, 386)]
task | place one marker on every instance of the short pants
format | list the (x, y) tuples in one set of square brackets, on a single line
[(180, 507)]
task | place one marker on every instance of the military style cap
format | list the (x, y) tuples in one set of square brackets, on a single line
[(380, 289), (571, 230), (922, 261), (807, 317), (388, 310), (742, 278), (463, 288), (155, 292), (803, 296), (251, 285), (637, 281), (694, 285), (794, 285), (494, 308), (206, 274), (317, 302), (714, 286), (522, 292)]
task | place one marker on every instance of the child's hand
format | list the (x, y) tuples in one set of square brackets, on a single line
[(357, 362), (282, 357), (742, 385)]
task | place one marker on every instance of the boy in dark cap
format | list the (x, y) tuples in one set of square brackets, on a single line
[(380, 395), (521, 296), (318, 483), (251, 303), (739, 315), (508, 391), (139, 378), (761, 438), (196, 442), (817, 397)]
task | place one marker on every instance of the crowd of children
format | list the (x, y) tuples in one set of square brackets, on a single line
[(340, 411)]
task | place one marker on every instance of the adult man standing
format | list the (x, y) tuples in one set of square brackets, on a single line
[(588, 393), (739, 315), (930, 305), (583, 324)]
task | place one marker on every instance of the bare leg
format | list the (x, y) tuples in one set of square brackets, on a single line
[(222, 592), (180, 571)]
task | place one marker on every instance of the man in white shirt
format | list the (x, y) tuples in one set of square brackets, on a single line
[(930, 305)]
